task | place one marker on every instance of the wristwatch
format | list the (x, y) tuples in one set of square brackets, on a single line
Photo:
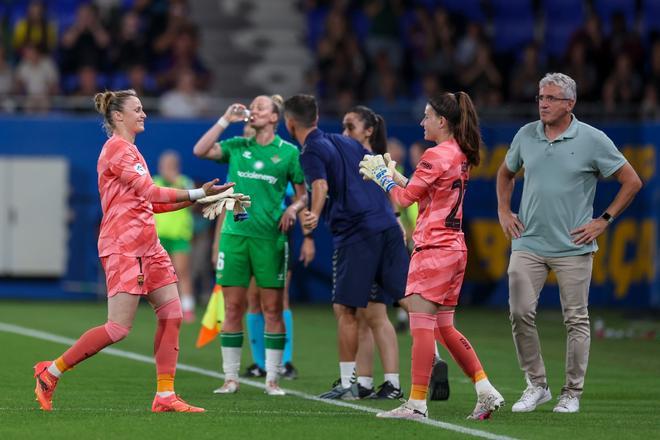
[(607, 217)]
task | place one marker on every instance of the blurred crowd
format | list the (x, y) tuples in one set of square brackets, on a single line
[(75, 48), (390, 54)]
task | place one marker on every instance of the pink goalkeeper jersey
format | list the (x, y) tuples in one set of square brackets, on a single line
[(438, 185), (127, 194)]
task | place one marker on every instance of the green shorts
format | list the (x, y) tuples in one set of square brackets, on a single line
[(175, 245), (240, 258)]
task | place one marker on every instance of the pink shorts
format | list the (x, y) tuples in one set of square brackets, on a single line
[(137, 275), (437, 275)]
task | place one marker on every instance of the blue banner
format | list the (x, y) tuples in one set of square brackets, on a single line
[(625, 267)]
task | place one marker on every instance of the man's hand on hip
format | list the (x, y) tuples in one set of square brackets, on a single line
[(589, 232), (511, 225)]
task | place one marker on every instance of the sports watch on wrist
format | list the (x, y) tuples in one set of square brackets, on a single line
[(607, 217)]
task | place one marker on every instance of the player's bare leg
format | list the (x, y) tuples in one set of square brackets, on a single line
[(254, 320), (275, 337), (364, 360), (388, 347), (231, 338), (347, 341), (288, 371), (181, 263)]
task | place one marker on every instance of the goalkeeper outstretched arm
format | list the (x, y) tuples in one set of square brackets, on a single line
[(169, 207), (236, 202)]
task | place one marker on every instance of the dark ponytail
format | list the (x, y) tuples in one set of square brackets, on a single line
[(378, 138), (459, 111)]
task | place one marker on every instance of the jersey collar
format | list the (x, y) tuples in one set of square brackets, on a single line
[(276, 142), (570, 132)]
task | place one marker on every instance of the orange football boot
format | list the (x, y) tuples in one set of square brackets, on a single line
[(46, 384), (173, 403)]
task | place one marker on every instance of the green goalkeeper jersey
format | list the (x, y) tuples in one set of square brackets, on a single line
[(263, 172)]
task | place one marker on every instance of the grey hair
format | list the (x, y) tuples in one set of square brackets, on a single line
[(565, 82)]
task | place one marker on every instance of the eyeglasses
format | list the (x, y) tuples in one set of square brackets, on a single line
[(549, 98)]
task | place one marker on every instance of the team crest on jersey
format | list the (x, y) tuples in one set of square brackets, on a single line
[(276, 159), (140, 169), (247, 154), (426, 165)]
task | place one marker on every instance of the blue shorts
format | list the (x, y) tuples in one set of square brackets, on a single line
[(381, 260), (377, 295)]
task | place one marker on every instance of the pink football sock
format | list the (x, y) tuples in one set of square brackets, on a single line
[(458, 346), (423, 352), (93, 341), (166, 342)]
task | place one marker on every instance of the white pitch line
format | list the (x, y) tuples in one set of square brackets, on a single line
[(225, 411), (24, 331)]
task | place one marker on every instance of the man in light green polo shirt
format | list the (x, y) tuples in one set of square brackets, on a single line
[(555, 230)]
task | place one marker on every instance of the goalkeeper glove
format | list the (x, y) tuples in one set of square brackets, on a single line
[(228, 199), (398, 178), (372, 167)]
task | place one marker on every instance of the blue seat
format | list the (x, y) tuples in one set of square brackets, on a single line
[(562, 19), (511, 35), (16, 12), (512, 10), (563, 12), (605, 9), (650, 16), (468, 8), (359, 23), (64, 6), (119, 81), (557, 38), (513, 25), (316, 26), (70, 82)]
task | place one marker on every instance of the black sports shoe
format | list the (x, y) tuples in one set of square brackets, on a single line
[(439, 385), (364, 392), (388, 391), (289, 371), (339, 392), (254, 371)]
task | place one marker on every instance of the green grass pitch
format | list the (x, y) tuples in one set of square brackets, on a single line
[(109, 396)]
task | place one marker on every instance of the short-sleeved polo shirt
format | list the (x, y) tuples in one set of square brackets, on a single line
[(560, 184)]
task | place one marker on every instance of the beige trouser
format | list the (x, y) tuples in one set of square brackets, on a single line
[(527, 275)]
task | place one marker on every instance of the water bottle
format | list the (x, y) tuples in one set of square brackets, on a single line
[(242, 112)]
